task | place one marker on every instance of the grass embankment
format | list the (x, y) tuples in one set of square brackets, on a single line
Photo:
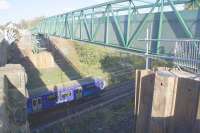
[(93, 60), (116, 67), (113, 65), (48, 77), (114, 118)]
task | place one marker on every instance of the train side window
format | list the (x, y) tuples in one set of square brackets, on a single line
[(79, 88), (66, 94), (79, 91), (90, 87), (52, 97)]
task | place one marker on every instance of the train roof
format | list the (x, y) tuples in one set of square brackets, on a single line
[(50, 88)]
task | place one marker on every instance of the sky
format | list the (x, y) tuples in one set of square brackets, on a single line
[(16, 10)]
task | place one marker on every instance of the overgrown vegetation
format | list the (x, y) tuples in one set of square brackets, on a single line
[(115, 65), (90, 55), (193, 5), (108, 63)]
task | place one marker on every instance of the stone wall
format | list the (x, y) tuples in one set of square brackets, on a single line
[(13, 99), (4, 126), (3, 53)]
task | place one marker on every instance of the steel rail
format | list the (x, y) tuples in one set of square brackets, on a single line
[(85, 111)]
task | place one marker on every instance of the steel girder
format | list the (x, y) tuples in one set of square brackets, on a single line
[(84, 24)]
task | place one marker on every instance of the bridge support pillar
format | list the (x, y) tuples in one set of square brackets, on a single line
[(13, 96), (166, 101), (3, 53)]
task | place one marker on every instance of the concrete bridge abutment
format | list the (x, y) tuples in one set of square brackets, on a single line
[(13, 113), (3, 53)]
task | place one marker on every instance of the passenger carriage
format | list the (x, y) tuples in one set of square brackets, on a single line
[(42, 99)]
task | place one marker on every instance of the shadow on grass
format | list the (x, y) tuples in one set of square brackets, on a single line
[(34, 79), (62, 61)]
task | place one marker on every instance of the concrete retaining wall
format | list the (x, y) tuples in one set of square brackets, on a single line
[(3, 53), (13, 114)]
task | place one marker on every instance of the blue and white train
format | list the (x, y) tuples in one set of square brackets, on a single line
[(64, 93)]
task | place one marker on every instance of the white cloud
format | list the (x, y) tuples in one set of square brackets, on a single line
[(4, 5)]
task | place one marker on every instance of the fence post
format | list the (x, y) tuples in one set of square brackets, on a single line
[(148, 60)]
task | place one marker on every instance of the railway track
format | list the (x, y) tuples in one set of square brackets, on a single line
[(48, 118)]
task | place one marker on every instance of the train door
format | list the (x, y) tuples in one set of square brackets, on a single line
[(34, 104), (37, 104), (79, 92)]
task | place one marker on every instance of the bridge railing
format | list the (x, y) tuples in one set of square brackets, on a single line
[(185, 53)]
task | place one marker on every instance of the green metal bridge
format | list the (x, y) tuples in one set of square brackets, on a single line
[(138, 26)]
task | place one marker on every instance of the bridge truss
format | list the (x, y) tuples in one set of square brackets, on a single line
[(123, 23)]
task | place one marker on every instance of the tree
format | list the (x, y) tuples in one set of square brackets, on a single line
[(193, 5), (23, 24), (29, 24)]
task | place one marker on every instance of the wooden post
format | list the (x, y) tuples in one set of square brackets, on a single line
[(197, 122), (143, 99), (164, 91), (166, 102)]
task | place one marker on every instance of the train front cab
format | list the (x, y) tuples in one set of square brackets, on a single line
[(90, 89)]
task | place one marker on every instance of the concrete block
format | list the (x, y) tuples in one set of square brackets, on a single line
[(15, 97), (4, 126), (3, 53), (16, 76)]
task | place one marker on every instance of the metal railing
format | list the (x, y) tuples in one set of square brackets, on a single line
[(185, 53), (189, 50)]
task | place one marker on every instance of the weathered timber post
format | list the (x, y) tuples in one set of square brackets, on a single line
[(166, 101), (143, 103)]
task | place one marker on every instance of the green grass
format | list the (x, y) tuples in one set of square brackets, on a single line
[(50, 76), (98, 61), (113, 118), (103, 62)]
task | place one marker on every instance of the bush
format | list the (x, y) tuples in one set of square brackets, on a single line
[(89, 54)]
